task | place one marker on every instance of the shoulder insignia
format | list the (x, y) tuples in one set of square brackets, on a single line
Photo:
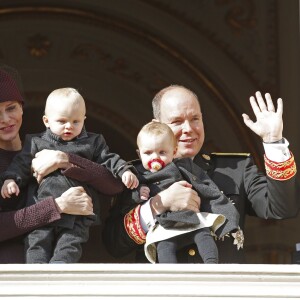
[(206, 157), (230, 154)]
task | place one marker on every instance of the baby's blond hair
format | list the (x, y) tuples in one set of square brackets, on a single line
[(157, 129), (68, 94)]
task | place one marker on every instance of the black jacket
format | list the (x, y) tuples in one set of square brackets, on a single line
[(238, 177), (212, 200), (87, 145)]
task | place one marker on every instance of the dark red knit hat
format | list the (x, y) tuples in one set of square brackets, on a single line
[(9, 90)]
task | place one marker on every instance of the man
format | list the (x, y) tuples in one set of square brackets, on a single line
[(271, 196)]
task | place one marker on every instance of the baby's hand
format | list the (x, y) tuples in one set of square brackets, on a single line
[(130, 180), (9, 188), (144, 192)]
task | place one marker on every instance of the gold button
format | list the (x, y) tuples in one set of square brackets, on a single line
[(206, 157), (192, 252), (194, 178)]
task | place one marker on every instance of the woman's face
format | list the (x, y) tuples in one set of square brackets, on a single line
[(11, 113)]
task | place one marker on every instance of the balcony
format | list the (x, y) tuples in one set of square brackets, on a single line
[(137, 281)]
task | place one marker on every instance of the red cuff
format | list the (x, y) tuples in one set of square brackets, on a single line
[(133, 226), (281, 171)]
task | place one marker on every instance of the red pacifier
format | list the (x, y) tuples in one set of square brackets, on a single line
[(155, 164)]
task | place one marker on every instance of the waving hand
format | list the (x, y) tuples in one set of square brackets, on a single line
[(269, 123)]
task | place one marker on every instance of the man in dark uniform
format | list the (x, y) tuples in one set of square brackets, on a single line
[(269, 197)]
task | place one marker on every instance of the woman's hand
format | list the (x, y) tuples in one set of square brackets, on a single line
[(9, 188), (75, 201), (47, 161)]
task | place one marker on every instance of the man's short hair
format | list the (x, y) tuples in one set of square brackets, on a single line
[(156, 102)]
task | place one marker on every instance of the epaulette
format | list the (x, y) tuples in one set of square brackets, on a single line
[(208, 157), (230, 154)]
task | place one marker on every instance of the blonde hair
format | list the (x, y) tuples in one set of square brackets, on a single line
[(157, 129), (67, 93)]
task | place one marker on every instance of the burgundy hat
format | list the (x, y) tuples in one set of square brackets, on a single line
[(9, 90)]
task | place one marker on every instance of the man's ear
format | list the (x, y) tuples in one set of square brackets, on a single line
[(46, 121), (175, 151), (138, 153)]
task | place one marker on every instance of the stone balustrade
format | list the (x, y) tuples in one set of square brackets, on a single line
[(137, 281)]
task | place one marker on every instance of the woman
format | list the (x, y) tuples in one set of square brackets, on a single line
[(15, 220)]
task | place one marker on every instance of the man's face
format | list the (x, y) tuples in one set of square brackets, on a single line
[(181, 111)]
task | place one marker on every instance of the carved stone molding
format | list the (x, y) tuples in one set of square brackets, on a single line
[(240, 16), (246, 20), (117, 65), (38, 45)]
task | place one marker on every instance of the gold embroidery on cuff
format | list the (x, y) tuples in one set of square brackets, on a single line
[(281, 171), (133, 226)]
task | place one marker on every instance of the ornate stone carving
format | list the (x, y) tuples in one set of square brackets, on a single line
[(119, 66), (90, 52), (241, 14), (38, 45), (251, 41)]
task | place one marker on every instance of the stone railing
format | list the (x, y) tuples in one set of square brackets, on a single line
[(127, 281)]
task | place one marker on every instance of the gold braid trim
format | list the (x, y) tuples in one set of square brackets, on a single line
[(133, 226), (281, 171)]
